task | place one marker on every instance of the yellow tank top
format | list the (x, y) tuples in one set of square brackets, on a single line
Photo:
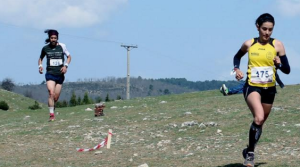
[(261, 69)]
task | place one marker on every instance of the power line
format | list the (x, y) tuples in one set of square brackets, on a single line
[(70, 35), (188, 64)]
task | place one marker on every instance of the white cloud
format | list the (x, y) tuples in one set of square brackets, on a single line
[(290, 8), (58, 13)]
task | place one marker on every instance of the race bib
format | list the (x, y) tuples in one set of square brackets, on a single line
[(56, 62), (262, 74)]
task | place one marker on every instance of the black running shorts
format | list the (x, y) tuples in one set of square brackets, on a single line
[(58, 79), (267, 94)]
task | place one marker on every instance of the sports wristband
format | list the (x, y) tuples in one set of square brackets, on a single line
[(67, 65), (40, 65)]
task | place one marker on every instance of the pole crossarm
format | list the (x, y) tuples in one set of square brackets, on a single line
[(129, 46)]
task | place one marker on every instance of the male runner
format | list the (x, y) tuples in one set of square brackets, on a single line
[(55, 53)]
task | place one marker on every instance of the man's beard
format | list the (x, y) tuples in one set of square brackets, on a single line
[(53, 43)]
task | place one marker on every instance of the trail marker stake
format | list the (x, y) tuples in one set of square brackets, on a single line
[(109, 138)]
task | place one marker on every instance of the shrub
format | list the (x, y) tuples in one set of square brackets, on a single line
[(86, 99), (58, 104), (98, 99), (61, 104), (8, 84), (107, 98), (35, 106), (119, 97), (73, 101), (4, 105)]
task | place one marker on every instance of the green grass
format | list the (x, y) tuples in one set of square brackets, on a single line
[(16, 102), (150, 132)]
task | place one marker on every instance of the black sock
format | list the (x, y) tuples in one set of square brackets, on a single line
[(254, 135)]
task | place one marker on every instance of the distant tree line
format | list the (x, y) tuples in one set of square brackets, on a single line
[(75, 101), (74, 93), (198, 85)]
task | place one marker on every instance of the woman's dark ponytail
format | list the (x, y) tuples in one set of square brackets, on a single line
[(266, 17)]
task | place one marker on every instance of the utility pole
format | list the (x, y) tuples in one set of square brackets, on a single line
[(128, 47)]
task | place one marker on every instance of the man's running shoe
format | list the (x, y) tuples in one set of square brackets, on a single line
[(224, 90), (52, 117), (249, 160)]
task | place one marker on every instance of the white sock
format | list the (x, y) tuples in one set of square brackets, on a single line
[(51, 109)]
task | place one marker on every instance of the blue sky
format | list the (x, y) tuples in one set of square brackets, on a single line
[(194, 39)]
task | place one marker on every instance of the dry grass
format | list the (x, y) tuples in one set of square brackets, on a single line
[(148, 131)]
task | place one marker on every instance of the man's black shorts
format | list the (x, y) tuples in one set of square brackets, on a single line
[(58, 79)]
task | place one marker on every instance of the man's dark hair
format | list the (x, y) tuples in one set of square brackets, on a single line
[(50, 32)]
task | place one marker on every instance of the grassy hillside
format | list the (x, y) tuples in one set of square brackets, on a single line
[(192, 129), (15, 101)]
